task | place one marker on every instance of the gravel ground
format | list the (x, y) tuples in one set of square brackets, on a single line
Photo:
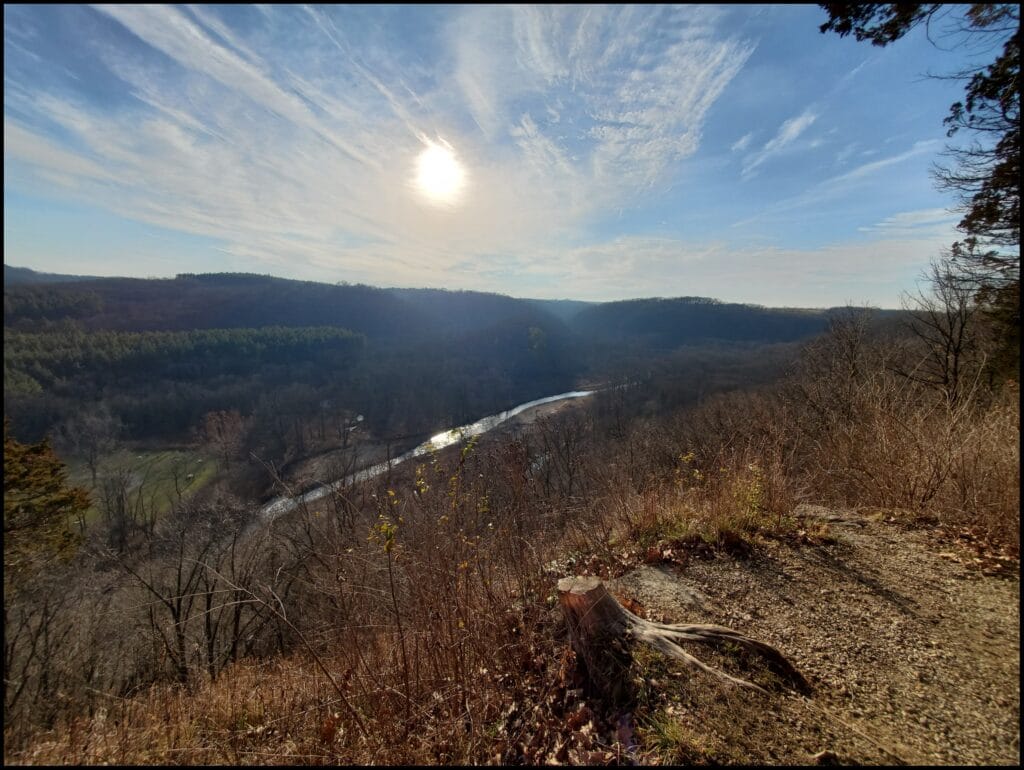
[(914, 654)]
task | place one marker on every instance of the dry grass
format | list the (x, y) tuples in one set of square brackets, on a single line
[(726, 504), (413, 631), (413, 624), (984, 488)]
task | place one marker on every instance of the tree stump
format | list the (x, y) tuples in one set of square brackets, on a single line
[(602, 632)]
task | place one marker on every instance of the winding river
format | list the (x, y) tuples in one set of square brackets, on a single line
[(282, 505)]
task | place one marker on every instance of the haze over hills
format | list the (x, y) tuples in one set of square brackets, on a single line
[(159, 354), (215, 341), (235, 300)]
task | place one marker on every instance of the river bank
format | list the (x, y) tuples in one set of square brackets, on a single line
[(318, 475)]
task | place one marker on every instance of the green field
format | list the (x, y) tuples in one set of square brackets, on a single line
[(150, 477)]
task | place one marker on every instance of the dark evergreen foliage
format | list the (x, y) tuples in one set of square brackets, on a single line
[(38, 503)]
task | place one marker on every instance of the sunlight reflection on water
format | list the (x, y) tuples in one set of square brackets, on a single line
[(440, 441)]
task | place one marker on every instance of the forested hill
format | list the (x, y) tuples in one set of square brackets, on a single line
[(410, 360), (233, 300), (215, 301), (236, 300), (669, 323), (159, 353), (21, 275)]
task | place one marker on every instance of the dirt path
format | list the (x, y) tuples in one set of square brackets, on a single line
[(914, 657)]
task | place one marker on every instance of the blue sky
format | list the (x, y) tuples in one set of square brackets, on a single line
[(603, 152)]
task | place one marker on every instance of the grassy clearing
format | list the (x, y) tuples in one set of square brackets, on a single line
[(150, 474)]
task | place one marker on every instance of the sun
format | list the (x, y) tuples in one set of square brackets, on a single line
[(440, 177)]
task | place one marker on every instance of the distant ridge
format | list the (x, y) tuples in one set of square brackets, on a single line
[(16, 275), (248, 300)]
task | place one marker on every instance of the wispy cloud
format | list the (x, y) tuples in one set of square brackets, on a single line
[(287, 137), (633, 107), (294, 144), (48, 157), (788, 133), (845, 153), (742, 143), (914, 223), (172, 33), (833, 274), (867, 169), (838, 185)]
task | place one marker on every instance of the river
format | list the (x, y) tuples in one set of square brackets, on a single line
[(282, 505)]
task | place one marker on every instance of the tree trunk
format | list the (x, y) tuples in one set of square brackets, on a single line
[(603, 631)]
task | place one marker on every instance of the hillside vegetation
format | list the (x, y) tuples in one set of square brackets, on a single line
[(763, 536), (411, 619), (154, 357)]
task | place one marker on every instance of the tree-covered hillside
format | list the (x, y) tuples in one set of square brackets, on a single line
[(158, 354), (670, 323), (215, 301), (24, 275)]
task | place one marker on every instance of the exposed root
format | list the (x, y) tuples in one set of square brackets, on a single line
[(602, 631)]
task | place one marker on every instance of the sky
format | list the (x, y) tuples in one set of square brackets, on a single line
[(583, 152)]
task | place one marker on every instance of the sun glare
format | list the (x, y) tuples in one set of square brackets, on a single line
[(439, 175)]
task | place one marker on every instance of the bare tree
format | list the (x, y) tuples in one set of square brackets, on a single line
[(90, 436), (224, 432), (562, 441), (986, 173), (121, 509), (942, 320), (832, 368)]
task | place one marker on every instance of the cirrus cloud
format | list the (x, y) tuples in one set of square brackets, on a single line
[(306, 160)]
